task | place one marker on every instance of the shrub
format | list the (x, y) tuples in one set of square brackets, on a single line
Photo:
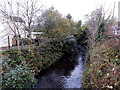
[(70, 44), (104, 66), (19, 77), (39, 58), (25, 41)]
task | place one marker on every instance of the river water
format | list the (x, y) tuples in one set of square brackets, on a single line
[(66, 73)]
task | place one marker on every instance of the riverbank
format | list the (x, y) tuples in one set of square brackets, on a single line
[(64, 65), (102, 70), (31, 61)]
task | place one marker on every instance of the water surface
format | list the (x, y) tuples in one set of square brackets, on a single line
[(66, 73)]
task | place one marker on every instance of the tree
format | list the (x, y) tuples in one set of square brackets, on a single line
[(79, 23), (12, 20), (69, 17), (98, 25), (54, 25), (30, 10), (26, 14)]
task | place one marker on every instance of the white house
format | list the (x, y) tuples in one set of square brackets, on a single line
[(9, 28), (7, 34)]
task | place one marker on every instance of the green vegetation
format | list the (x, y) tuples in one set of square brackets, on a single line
[(70, 45), (103, 67), (17, 76), (58, 36)]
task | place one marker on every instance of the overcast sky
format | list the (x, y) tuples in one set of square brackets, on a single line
[(79, 8)]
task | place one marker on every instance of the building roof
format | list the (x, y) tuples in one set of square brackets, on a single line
[(16, 19)]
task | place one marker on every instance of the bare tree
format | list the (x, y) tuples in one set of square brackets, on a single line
[(31, 10), (96, 24), (20, 14), (11, 19)]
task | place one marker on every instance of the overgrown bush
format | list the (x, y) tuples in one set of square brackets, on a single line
[(21, 68), (104, 66), (70, 44), (104, 50), (25, 41), (39, 58), (19, 76)]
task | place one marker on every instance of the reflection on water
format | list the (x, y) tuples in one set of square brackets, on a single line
[(74, 80)]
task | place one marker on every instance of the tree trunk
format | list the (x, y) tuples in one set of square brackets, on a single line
[(8, 42), (18, 44)]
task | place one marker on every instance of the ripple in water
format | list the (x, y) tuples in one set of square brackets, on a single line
[(74, 80)]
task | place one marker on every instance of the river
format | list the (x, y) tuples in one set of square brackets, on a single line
[(65, 73)]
